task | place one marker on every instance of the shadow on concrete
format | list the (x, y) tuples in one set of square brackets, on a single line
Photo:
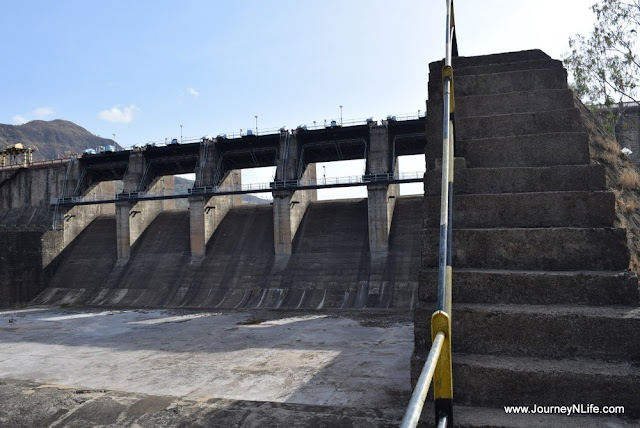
[(355, 359), (330, 267)]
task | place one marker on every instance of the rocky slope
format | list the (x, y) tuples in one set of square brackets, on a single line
[(51, 139)]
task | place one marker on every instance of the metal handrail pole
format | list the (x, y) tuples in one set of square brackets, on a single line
[(449, 285), (443, 421), (414, 409), (441, 319), (444, 204)]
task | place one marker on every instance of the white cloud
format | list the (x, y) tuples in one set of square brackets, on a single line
[(42, 112), (193, 92), (116, 115), (38, 113), (19, 120)]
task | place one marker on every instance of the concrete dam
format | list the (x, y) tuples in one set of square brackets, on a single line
[(330, 265), (295, 253), (545, 261)]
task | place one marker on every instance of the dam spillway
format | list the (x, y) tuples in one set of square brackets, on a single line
[(330, 265)]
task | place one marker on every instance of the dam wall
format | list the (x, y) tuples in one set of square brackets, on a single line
[(296, 252), (33, 233), (27, 260), (330, 265)]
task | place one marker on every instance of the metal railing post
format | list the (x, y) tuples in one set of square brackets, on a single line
[(412, 415), (439, 365), (441, 319)]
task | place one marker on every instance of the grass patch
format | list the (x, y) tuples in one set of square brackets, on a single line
[(607, 144), (627, 206), (629, 179), (608, 157)]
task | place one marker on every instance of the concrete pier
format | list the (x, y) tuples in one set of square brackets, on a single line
[(381, 198), (288, 211), (381, 202), (289, 207), (133, 218)]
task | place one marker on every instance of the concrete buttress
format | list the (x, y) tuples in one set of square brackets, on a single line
[(381, 197), (133, 218), (289, 207), (206, 213)]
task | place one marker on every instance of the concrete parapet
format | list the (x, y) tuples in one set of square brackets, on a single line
[(31, 187)]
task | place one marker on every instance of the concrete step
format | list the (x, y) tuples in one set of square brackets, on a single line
[(520, 180), (540, 209), (513, 102), (537, 64), (510, 81), (555, 249), (547, 331), (497, 381), (539, 149), (501, 58), (507, 125), (595, 288)]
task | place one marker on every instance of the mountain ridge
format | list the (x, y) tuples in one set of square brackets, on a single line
[(51, 139)]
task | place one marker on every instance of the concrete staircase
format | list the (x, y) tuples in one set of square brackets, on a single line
[(545, 311)]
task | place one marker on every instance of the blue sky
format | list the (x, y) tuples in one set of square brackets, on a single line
[(141, 69)]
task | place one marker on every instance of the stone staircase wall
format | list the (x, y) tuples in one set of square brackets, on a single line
[(545, 309)]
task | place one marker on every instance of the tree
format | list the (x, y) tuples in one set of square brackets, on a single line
[(606, 65)]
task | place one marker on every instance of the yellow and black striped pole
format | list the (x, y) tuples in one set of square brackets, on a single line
[(441, 319), (438, 363)]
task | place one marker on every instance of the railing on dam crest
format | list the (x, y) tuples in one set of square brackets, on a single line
[(287, 185)]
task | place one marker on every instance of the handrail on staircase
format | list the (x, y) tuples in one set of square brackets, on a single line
[(438, 364)]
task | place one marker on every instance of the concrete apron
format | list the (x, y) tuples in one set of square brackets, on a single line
[(354, 360)]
